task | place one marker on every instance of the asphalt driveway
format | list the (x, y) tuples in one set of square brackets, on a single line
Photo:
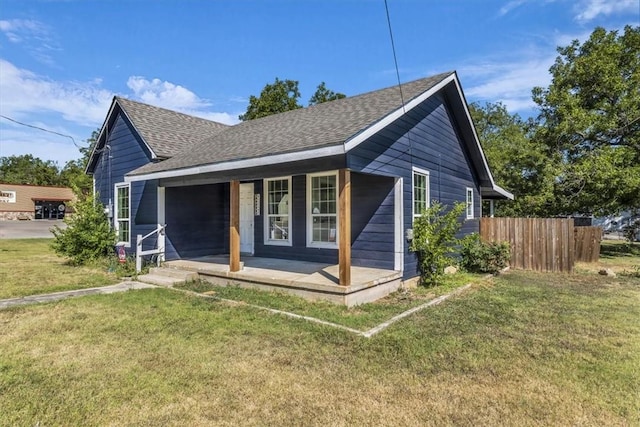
[(39, 228)]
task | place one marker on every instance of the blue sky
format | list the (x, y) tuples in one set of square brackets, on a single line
[(61, 62)]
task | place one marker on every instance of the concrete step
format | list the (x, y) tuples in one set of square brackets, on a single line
[(167, 276), (173, 272)]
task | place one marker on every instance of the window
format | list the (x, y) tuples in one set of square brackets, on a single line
[(469, 203), (277, 224), (322, 196), (123, 213), (420, 191)]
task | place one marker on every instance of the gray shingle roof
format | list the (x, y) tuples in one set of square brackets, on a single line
[(168, 132), (328, 124)]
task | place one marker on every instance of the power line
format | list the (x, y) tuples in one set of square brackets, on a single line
[(43, 129)]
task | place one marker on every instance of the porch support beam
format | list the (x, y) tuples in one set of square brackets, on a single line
[(344, 221), (234, 226)]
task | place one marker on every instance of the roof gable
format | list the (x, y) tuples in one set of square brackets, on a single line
[(312, 128), (163, 132)]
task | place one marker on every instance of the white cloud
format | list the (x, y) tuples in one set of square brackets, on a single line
[(507, 80), (175, 97), (510, 6), (35, 36), (24, 92), (587, 10)]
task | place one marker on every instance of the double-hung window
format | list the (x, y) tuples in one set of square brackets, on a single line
[(420, 191), (469, 203), (122, 220), (277, 218), (322, 217)]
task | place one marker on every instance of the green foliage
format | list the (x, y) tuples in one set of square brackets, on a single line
[(324, 95), (434, 240), (518, 162), (477, 256), (88, 235), (275, 98), (283, 95), (590, 123), (26, 169)]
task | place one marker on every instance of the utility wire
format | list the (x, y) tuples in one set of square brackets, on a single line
[(43, 129), (395, 59)]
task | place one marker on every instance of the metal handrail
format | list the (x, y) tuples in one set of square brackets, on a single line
[(158, 250)]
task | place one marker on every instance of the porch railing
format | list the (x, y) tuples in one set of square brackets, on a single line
[(159, 249)]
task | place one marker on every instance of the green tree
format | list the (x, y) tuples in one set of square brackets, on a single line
[(26, 169), (590, 121), (73, 174), (323, 94), (518, 162), (88, 235), (275, 98)]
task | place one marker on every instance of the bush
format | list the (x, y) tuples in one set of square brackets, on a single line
[(477, 256), (88, 235), (434, 240)]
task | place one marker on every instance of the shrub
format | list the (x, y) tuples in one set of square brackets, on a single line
[(434, 240), (477, 256), (88, 235)]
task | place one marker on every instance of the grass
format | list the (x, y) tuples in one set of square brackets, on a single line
[(523, 349), (361, 317), (29, 267), (618, 255)]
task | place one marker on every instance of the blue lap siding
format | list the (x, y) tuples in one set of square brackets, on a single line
[(425, 138), (124, 152)]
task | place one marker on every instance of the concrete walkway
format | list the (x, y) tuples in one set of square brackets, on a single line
[(34, 299)]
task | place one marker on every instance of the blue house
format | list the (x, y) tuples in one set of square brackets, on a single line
[(337, 183)]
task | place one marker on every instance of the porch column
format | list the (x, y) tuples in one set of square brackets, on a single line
[(234, 226), (491, 211), (161, 222), (344, 221)]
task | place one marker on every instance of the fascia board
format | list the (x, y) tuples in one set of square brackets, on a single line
[(241, 164)]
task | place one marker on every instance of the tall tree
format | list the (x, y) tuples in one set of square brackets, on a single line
[(73, 175), (590, 121), (278, 97), (26, 169), (517, 161), (323, 94)]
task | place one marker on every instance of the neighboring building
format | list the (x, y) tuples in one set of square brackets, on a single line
[(152, 165), (25, 202)]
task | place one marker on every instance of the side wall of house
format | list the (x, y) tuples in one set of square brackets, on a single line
[(425, 138), (124, 153)]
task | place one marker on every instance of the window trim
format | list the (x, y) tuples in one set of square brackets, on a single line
[(116, 218), (469, 203), (310, 242), (425, 173), (265, 192)]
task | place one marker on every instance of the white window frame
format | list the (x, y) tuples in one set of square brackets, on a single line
[(469, 203), (265, 190), (424, 173), (116, 218), (310, 214)]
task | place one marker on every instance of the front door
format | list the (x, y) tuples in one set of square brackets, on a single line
[(246, 218)]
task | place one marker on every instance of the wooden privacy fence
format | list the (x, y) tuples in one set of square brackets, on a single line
[(587, 246), (544, 244)]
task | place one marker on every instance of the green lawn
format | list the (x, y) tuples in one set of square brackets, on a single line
[(29, 267), (523, 349)]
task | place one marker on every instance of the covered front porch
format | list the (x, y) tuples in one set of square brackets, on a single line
[(310, 280)]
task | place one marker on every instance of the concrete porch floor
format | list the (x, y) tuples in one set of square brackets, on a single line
[(314, 281)]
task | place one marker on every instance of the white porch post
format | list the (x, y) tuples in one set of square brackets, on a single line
[(161, 222), (398, 235), (491, 211)]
